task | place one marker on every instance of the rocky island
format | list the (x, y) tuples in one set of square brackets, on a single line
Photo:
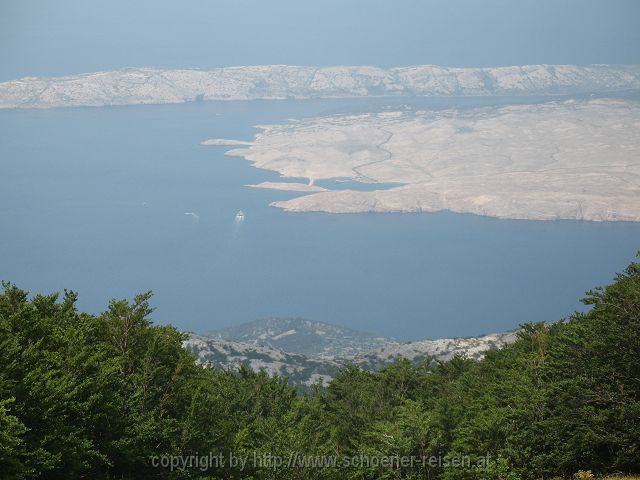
[(133, 86), (576, 159), (558, 160)]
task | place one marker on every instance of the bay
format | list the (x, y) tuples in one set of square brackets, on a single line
[(94, 200)]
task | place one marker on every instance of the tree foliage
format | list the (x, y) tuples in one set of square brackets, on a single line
[(84, 396)]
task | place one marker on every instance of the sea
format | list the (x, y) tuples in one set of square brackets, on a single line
[(113, 201)]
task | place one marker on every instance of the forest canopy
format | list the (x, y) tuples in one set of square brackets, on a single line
[(115, 396)]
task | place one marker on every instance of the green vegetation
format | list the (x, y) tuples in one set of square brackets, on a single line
[(111, 396)]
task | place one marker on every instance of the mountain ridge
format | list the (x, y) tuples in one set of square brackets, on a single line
[(148, 85), (259, 351), (303, 336)]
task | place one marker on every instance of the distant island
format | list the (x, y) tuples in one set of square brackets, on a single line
[(133, 86), (577, 160)]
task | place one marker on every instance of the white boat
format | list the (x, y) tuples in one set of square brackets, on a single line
[(240, 216)]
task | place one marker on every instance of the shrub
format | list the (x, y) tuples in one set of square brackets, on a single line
[(584, 475)]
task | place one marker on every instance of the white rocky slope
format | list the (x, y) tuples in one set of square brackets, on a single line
[(228, 355), (306, 370), (441, 349), (155, 85)]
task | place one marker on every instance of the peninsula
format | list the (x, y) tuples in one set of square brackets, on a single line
[(558, 160)]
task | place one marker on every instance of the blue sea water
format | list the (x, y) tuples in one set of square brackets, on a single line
[(94, 200)]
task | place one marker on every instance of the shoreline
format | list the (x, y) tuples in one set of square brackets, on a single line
[(571, 160)]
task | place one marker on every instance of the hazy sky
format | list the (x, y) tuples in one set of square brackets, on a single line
[(45, 37)]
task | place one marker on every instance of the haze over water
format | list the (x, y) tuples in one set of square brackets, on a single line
[(94, 200), (40, 37)]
